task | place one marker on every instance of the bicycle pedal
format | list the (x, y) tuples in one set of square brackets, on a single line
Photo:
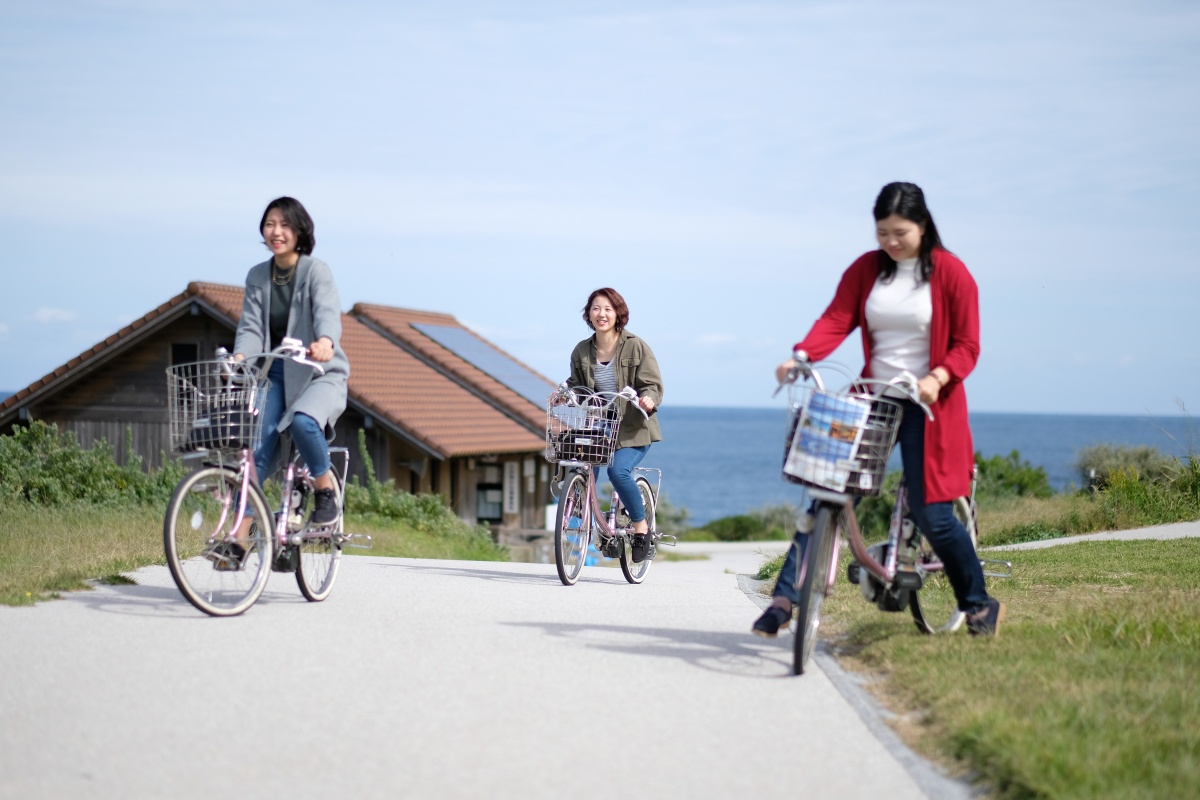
[(362, 541), (1007, 565), (663, 537), (907, 579)]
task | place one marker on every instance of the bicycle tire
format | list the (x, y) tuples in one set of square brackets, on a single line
[(636, 572), (812, 592), (321, 553), (188, 540), (572, 529), (934, 607)]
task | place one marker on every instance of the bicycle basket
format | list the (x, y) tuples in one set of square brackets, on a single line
[(840, 441), (585, 432), (214, 405)]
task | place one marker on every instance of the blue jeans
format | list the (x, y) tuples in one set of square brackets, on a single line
[(620, 475), (946, 535), (306, 433)]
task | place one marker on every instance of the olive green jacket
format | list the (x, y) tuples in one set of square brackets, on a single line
[(636, 367)]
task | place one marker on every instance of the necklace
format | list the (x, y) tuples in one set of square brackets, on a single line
[(281, 277)]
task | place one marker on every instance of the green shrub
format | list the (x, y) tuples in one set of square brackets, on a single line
[(424, 512), (740, 528), (1007, 476), (875, 513), (780, 518), (38, 465), (1097, 464)]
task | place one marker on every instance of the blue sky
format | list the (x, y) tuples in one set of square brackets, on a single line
[(715, 162)]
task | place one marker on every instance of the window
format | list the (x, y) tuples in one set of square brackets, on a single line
[(184, 353), (488, 502)]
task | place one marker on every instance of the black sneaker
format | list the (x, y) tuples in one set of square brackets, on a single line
[(641, 546), (986, 621), (771, 621), (325, 509)]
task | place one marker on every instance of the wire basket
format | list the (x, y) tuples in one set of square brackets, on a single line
[(215, 405), (583, 431), (840, 441)]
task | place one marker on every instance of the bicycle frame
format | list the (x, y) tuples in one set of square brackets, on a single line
[(597, 519)]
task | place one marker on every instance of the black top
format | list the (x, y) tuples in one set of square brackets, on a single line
[(281, 308)]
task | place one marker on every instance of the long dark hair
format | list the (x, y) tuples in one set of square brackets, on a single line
[(297, 219), (908, 201)]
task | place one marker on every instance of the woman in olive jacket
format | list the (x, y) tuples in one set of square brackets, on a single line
[(609, 360)]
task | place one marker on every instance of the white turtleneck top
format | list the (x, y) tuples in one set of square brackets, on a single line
[(898, 317)]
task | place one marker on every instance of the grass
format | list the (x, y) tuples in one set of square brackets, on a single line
[(1089, 692), (1129, 500), (46, 551)]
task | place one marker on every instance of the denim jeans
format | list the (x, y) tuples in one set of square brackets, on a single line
[(306, 432), (620, 475), (946, 535)]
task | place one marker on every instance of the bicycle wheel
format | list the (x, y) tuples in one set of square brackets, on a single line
[(321, 552), (934, 607), (636, 573), (198, 521), (571, 528), (816, 581)]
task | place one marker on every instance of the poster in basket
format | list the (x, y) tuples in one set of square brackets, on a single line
[(826, 440)]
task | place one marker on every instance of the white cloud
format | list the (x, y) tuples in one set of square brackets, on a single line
[(3, 329), (48, 315)]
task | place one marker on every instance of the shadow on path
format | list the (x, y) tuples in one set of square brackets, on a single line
[(549, 577), (726, 652)]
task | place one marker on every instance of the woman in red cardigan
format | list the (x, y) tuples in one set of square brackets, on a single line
[(918, 308)]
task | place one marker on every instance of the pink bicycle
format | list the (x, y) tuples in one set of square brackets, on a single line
[(837, 446)]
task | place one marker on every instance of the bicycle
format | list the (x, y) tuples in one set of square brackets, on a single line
[(837, 446), (581, 436), (215, 415)]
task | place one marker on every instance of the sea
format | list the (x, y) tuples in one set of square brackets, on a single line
[(718, 462)]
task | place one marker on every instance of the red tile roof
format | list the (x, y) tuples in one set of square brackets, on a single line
[(385, 380), (398, 322)]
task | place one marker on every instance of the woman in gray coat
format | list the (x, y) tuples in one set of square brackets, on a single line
[(293, 295)]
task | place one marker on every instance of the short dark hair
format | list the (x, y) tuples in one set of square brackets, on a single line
[(297, 219), (618, 304), (908, 201)]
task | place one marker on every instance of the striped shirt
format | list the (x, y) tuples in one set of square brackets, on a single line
[(605, 376)]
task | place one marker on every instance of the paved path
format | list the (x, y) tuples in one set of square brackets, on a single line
[(431, 679), (1176, 530)]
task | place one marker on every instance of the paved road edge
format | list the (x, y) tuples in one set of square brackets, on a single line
[(927, 775)]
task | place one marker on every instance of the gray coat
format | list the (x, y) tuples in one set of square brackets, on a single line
[(316, 311)]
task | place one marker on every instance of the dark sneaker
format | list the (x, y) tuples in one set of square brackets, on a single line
[(771, 621), (227, 557), (640, 548), (325, 510), (986, 621)]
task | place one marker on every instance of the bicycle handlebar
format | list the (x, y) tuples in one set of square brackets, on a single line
[(288, 348), (628, 394), (905, 382)]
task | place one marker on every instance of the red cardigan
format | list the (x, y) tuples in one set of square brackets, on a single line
[(953, 345)]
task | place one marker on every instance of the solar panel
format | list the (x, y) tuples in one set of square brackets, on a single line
[(480, 354)]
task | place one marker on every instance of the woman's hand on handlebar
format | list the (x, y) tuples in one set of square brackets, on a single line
[(321, 350), (928, 389), (646, 404), (782, 372)]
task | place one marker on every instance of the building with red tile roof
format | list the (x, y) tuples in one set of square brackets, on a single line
[(432, 420)]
